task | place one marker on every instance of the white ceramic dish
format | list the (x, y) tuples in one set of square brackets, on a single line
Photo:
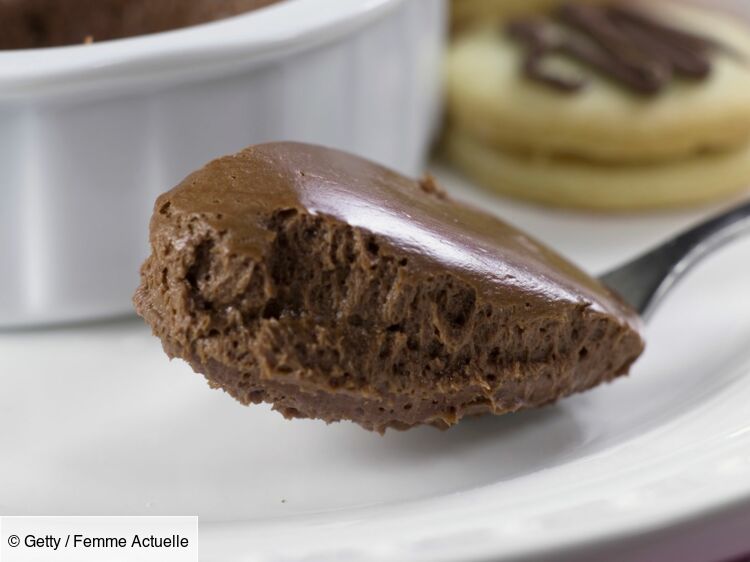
[(653, 467), (90, 134)]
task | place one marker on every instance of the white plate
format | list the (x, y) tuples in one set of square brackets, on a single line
[(97, 421)]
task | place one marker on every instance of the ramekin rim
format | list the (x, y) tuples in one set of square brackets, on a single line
[(288, 25)]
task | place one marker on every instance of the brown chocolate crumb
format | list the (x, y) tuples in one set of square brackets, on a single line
[(429, 184)]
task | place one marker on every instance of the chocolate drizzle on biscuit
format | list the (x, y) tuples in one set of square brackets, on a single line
[(625, 44)]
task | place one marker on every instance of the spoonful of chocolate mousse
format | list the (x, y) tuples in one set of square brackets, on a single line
[(334, 288)]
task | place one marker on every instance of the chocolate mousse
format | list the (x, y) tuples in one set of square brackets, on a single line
[(334, 288), (28, 24)]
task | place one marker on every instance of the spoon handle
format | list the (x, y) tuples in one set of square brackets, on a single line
[(643, 281)]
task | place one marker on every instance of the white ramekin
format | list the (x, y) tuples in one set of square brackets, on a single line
[(90, 134)]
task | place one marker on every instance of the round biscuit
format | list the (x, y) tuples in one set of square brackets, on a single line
[(488, 96), (570, 182)]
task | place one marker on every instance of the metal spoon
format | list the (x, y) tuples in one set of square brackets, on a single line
[(643, 281)]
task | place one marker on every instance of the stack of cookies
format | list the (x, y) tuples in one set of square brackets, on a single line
[(602, 105)]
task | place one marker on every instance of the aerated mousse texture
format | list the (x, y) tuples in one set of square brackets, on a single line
[(336, 289), (30, 24)]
